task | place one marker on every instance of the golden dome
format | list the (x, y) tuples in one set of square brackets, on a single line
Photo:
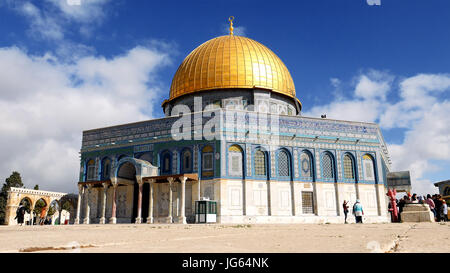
[(231, 62)]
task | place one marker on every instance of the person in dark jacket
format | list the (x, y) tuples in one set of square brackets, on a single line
[(20, 214), (345, 207)]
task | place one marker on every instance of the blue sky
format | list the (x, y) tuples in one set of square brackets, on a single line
[(383, 63)]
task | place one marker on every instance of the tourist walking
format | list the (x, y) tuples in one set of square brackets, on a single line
[(345, 207), (438, 206), (430, 203), (444, 211), (358, 211), (20, 214)]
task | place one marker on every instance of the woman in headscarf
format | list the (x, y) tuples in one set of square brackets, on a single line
[(358, 211)]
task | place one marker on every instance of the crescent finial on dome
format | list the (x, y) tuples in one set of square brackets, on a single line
[(231, 18)]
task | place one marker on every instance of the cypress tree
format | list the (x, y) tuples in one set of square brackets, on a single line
[(14, 180)]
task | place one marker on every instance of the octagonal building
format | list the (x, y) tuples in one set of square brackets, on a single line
[(232, 133)]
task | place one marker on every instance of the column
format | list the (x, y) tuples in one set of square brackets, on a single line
[(150, 202), (80, 194), (269, 198), (32, 215), (139, 204), (86, 219), (183, 200), (105, 192), (293, 197), (113, 218), (169, 217)]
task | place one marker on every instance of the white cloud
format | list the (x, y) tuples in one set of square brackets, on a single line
[(365, 103), (47, 103), (87, 11), (237, 30), (41, 25), (52, 19), (375, 84), (420, 112)]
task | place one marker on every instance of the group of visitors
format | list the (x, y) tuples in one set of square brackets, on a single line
[(357, 210), (22, 212), (436, 203)]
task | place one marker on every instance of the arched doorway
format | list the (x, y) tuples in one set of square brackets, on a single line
[(40, 210), (27, 204), (53, 213), (127, 178)]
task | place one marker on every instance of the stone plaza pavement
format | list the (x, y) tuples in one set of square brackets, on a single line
[(404, 237)]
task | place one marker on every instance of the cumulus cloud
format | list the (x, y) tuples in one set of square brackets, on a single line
[(365, 103), (46, 104), (421, 111)]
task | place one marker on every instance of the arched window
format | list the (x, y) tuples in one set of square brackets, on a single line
[(327, 166), (369, 168), (306, 165), (207, 161), (166, 163), (235, 161), (90, 170), (283, 163), (260, 163), (349, 168), (106, 168), (186, 161)]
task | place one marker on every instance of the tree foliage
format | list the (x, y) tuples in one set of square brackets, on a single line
[(40, 204), (14, 180)]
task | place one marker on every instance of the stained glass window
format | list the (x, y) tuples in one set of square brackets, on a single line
[(283, 163), (235, 160), (305, 165), (106, 168), (327, 166), (166, 163), (368, 168), (260, 163), (349, 171), (187, 159), (207, 159), (91, 170)]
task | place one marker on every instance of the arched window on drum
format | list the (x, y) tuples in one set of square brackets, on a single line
[(235, 161), (260, 163), (306, 165), (349, 167), (368, 168), (90, 170), (283, 164)]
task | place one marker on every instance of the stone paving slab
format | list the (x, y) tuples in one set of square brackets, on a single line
[(401, 237)]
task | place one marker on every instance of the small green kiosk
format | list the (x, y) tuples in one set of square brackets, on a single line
[(205, 211)]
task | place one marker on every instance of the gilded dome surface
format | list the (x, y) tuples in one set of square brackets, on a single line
[(231, 62)]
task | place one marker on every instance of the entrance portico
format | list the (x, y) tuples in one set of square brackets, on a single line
[(135, 194)]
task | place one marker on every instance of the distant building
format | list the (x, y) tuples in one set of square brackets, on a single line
[(444, 189)]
